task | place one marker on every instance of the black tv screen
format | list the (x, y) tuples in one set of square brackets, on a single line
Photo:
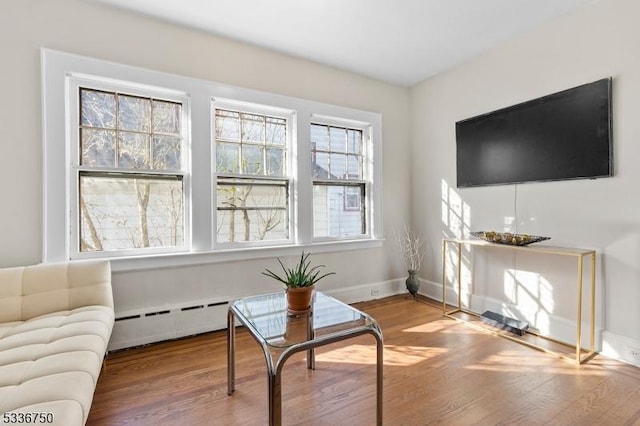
[(566, 135)]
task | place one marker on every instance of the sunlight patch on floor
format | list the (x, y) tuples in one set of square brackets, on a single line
[(429, 327), (401, 356), (442, 326), (522, 362)]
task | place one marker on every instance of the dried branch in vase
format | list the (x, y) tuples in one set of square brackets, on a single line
[(411, 248)]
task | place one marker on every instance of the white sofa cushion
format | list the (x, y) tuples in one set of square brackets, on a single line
[(50, 362)]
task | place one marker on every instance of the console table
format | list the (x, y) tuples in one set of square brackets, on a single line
[(581, 354), (281, 335)]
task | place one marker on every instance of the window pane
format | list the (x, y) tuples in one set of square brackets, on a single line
[(166, 153), (166, 117), (320, 137), (252, 128), (251, 211), (98, 109), (227, 158), (256, 225), (275, 162), (320, 165), (227, 125), (119, 213), (98, 147), (134, 113), (276, 131), (334, 214), (252, 160), (338, 166), (354, 167), (242, 194), (338, 139), (133, 150), (354, 141)]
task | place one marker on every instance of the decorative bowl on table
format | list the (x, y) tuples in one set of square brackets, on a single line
[(508, 238)]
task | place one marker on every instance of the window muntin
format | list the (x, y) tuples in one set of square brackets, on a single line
[(129, 173), (339, 185), (252, 182), (336, 152), (250, 144)]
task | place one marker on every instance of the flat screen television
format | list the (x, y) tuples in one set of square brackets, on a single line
[(565, 135)]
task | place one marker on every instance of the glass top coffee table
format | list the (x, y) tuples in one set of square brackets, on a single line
[(281, 335)]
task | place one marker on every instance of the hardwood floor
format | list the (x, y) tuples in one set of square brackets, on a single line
[(436, 371)]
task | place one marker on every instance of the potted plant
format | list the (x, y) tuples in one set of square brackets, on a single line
[(411, 248), (299, 282)]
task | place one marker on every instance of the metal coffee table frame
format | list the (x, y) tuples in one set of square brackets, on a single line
[(322, 334)]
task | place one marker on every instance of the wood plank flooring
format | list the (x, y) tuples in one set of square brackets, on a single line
[(436, 371)]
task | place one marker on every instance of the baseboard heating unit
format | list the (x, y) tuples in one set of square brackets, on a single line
[(155, 324), (504, 323)]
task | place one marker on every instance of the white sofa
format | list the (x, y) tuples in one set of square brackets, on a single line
[(55, 323)]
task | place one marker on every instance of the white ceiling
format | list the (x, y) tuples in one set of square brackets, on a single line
[(398, 41)]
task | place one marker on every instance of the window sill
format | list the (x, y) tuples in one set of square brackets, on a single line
[(141, 263)]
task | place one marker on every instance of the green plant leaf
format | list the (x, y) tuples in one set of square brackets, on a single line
[(301, 275)]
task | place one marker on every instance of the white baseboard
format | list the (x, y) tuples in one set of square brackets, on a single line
[(366, 292), (621, 348)]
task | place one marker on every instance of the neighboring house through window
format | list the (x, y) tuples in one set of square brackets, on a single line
[(339, 181)]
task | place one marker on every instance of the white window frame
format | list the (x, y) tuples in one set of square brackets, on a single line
[(266, 110), (367, 174), (57, 67), (74, 83)]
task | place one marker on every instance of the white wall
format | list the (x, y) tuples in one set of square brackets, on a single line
[(101, 32), (600, 40)]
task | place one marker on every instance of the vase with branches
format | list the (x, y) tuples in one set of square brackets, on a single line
[(412, 255)]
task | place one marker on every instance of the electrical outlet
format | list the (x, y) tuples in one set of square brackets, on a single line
[(375, 291), (635, 353)]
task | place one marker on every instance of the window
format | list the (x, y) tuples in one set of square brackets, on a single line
[(153, 170), (252, 184), (339, 185), (352, 199), (127, 166)]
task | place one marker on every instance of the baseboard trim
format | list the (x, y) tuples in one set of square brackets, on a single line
[(620, 348), (367, 292)]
